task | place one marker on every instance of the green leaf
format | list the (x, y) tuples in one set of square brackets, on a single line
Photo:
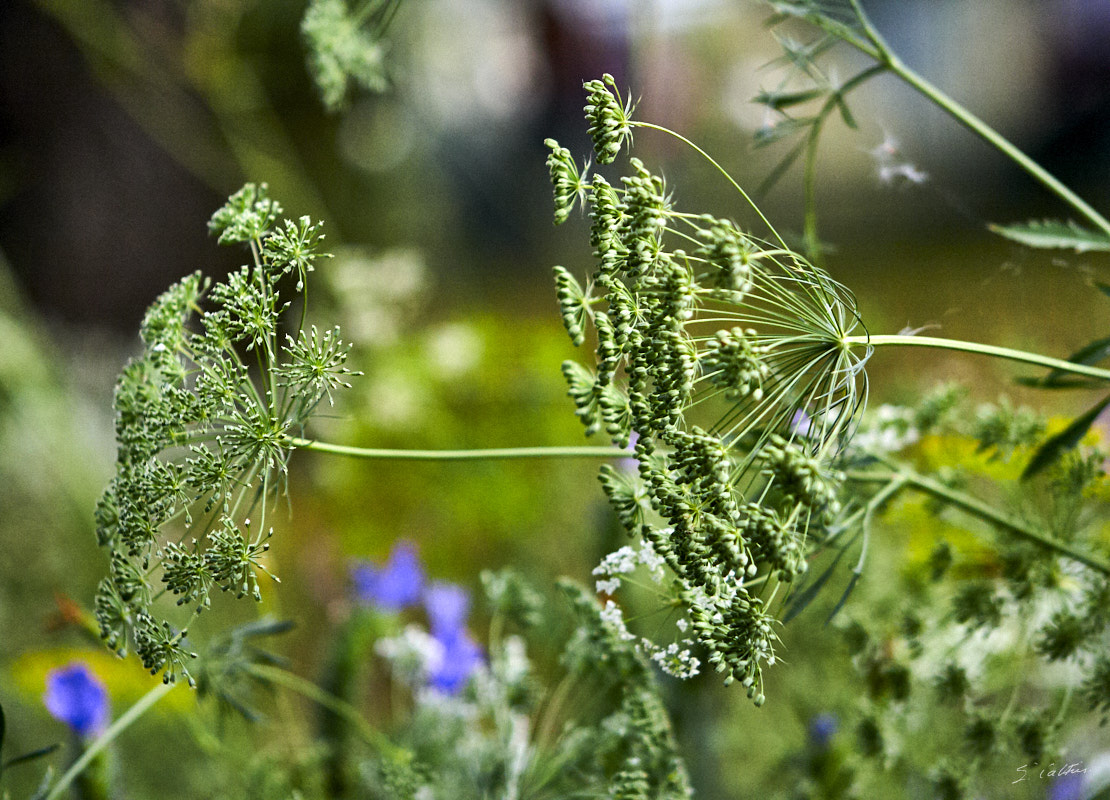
[(779, 100), (782, 129), (785, 163), (802, 600), (34, 754), (1054, 234), (845, 113), (1051, 382), (801, 56), (44, 785), (1090, 353), (1065, 440), (844, 597)]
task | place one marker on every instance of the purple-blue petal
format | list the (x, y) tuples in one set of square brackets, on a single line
[(821, 730), (447, 606), (1067, 787), (801, 424), (461, 657), (631, 464), (394, 586), (76, 696)]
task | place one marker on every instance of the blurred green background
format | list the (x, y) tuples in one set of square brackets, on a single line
[(123, 125)]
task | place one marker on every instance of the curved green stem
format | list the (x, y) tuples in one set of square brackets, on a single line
[(897, 484), (720, 169), (492, 454), (813, 244), (985, 511), (106, 738), (981, 129), (1021, 356)]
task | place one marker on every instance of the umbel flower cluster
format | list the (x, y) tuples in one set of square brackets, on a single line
[(346, 47), (725, 358), (204, 423)]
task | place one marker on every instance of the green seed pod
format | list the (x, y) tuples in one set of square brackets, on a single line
[(610, 122)]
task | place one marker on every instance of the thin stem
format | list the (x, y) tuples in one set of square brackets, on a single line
[(887, 492), (891, 61), (981, 349), (813, 244), (342, 708), (720, 169), (984, 511), (492, 454), (106, 738)]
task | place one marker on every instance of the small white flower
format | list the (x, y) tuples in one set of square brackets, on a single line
[(890, 169), (609, 586), (611, 615), (652, 560), (619, 562)]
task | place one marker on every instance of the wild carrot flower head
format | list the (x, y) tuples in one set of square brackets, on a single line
[(200, 434), (727, 356)]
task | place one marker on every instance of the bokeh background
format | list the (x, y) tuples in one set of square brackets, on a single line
[(123, 125)]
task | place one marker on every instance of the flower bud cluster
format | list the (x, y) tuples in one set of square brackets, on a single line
[(610, 122), (569, 183), (730, 253), (197, 436), (802, 479), (727, 490), (736, 363)]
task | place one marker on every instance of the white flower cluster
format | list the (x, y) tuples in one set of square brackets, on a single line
[(675, 658), (611, 616), (888, 430), (624, 562), (413, 654)]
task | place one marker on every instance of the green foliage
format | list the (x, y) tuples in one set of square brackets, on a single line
[(506, 734), (731, 362), (751, 461), (1053, 234), (955, 650), (202, 442), (346, 47)]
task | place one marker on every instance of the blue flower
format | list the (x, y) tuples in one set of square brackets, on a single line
[(821, 730), (461, 657), (447, 606), (801, 424), (76, 696), (1067, 787), (394, 586)]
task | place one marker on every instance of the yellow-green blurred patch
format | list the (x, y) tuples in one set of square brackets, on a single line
[(125, 680)]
